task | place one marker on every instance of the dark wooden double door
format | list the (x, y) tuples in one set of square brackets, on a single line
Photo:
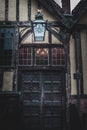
[(44, 100)]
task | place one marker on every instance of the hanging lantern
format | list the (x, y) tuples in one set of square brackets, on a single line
[(39, 27)]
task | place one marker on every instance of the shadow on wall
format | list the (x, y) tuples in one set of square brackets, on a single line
[(75, 120), (9, 111)]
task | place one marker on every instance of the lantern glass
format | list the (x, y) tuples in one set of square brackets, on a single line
[(39, 31)]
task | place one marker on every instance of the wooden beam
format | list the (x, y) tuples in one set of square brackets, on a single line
[(29, 10), (17, 10), (78, 59), (6, 9), (66, 6), (56, 11), (28, 24), (27, 33), (80, 9), (57, 35)]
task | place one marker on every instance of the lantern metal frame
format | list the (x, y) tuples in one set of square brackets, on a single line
[(39, 27)]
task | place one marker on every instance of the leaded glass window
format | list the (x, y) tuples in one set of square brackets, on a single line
[(58, 56), (41, 56), (25, 56)]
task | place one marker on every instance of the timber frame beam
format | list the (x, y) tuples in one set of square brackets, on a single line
[(67, 21), (78, 11), (53, 8)]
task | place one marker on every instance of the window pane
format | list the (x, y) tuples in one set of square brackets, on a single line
[(41, 56), (25, 56), (6, 46), (58, 56)]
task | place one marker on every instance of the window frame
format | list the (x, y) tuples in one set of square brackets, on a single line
[(11, 32), (46, 46)]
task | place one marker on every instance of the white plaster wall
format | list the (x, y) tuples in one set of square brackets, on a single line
[(59, 2), (72, 63), (2, 10), (12, 10), (46, 14), (83, 19), (55, 40), (23, 10), (34, 7), (74, 3), (84, 58), (8, 81)]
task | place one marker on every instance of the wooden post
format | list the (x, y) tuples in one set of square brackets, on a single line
[(78, 74), (66, 6)]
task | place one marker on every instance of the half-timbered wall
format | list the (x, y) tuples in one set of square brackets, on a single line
[(22, 10), (83, 34), (25, 10)]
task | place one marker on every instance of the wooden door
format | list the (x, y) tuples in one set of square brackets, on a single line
[(43, 100)]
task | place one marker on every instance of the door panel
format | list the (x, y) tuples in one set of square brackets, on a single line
[(44, 100)]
